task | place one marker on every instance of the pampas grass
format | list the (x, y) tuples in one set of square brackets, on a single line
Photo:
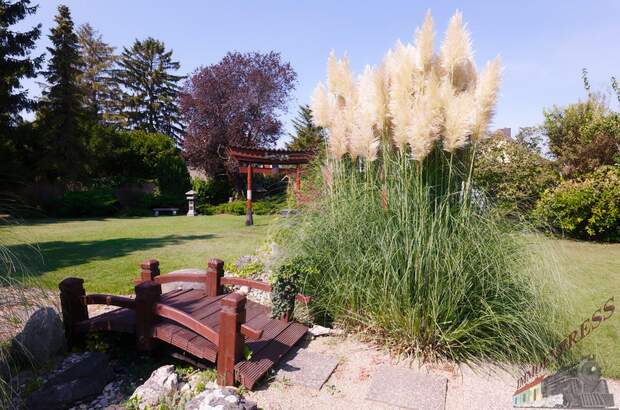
[(414, 100), (406, 252)]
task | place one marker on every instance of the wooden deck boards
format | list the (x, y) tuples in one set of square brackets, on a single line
[(277, 338)]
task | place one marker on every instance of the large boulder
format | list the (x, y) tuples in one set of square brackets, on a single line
[(163, 381), (43, 336), (79, 377)]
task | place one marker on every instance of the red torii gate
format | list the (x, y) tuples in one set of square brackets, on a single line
[(269, 161)]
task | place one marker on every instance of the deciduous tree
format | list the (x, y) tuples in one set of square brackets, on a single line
[(234, 102)]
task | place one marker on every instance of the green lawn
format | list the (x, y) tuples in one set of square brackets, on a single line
[(107, 252), (590, 273)]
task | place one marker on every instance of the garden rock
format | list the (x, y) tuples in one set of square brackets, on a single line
[(43, 336), (246, 260), (219, 398), (77, 378), (163, 381)]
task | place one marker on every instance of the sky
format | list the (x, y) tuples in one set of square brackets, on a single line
[(543, 44)]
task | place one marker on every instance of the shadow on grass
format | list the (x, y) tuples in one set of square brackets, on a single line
[(54, 255)]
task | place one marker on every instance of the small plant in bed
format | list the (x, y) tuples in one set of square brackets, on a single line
[(405, 247)]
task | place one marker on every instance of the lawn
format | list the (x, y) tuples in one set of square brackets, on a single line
[(107, 252), (590, 273)]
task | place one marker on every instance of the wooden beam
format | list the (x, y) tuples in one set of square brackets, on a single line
[(186, 320)]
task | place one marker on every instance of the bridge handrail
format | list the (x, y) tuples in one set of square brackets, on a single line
[(111, 300), (258, 285), (182, 318)]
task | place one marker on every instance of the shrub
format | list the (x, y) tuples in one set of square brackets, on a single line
[(93, 203), (587, 208), (262, 207), (286, 283), (212, 191), (512, 174)]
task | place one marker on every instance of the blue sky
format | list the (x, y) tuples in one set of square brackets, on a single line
[(543, 44)]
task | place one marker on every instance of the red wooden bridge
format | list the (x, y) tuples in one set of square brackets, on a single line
[(204, 322)]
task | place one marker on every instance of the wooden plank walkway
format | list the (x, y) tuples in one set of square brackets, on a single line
[(196, 321)]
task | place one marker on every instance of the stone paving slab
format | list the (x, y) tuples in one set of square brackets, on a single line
[(408, 388), (304, 368)]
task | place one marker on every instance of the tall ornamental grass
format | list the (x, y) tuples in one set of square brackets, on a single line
[(406, 249)]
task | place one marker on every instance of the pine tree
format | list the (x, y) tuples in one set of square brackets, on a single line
[(307, 136), (150, 90), (15, 61), (96, 81), (62, 113)]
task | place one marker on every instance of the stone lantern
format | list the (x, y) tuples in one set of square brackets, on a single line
[(191, 196)]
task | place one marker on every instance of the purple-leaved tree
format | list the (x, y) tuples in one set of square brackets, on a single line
[(234, 102)]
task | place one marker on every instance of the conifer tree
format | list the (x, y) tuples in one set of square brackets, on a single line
[(15, 61), (150, 90), (100, 90), (307, 136), (62, 113)]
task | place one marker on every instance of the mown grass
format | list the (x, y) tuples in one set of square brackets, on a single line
[(107, 252), (589, 276)]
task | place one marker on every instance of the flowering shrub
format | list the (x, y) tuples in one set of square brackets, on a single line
[(587, 208)]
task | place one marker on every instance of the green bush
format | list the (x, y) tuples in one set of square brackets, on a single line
[(212, 192), (587, 208), (261, 207), (94, 203), (512, 174), (286, 283)]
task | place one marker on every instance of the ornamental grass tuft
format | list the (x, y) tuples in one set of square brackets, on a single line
[(405, 246)]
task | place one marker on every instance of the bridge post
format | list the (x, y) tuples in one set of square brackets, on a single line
[(149, 268), (230, 349), (215, 272), (73, 308), (147, 295)]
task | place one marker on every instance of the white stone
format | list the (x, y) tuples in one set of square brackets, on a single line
[(162, 382)]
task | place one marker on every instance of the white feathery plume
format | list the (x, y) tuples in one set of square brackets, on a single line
[(424, 42), (339, 78), (402, 69), (322, 108), (426, 121), (459, 115), (457, 56), (370, 94), (366, 116), (486, 97), (338, 138)]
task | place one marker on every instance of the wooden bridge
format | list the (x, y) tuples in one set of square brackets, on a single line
[(203, 322)]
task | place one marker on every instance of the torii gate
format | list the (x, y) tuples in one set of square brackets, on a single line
[(268, 162)]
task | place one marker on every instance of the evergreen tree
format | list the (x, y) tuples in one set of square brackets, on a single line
[(307, 136), (150, 90), (100, 91), (15, 64), (15, 61), (62, 113)]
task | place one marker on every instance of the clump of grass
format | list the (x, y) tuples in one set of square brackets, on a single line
[(405, 248), (407, 255)]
